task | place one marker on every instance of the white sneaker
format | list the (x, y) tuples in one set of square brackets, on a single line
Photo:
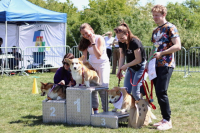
[(165, 125), (159, 123)]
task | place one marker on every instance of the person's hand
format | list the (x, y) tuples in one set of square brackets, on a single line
[(124, 67), (70, 84), (119, 74), (62, 82), (157, 55), (92, 38)]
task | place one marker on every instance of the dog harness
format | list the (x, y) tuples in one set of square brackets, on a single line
[(48, 97)]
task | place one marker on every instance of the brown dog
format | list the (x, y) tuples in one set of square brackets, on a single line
[(54, 92), (120, 95), (81, 73)]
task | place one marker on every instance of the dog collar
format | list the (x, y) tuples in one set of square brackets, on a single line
[(119, 97)]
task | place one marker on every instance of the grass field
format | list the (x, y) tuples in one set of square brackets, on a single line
[(21, 111)]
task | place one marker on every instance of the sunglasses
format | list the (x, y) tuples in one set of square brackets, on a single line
[(118, 30), (64, 63)]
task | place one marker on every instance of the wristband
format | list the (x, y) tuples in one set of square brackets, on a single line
[(93, 44)]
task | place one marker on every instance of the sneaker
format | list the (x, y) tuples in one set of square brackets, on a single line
[(165, 125), (159, 123)]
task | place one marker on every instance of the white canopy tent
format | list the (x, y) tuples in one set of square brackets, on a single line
[(20, 20)]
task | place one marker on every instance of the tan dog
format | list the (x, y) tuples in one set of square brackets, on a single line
[(82, 74), (140, 115), (120, 95), (54, 92)]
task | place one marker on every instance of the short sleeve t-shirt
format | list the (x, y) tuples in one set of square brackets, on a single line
[(129, 53), (162, 36)]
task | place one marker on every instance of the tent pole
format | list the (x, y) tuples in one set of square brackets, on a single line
[(6, 43)]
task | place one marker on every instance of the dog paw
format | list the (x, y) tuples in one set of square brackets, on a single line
[(122, 111)]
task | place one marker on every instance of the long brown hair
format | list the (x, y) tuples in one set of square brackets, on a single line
[(123, 28), (84, 43), (69, 56)]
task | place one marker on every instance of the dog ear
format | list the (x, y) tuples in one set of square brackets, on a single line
[(118, 92), (42, 83), (82, 58)]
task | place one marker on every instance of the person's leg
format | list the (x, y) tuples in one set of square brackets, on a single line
[(137, 76), (95, 101), (109, 53), (161, 86), (129, 73), (114, 61), (104, 76)]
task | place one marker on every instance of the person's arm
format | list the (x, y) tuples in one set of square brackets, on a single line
[(98, 49), (121, 61), (57, 76), (176, 47), (85, 54), (137, 60)]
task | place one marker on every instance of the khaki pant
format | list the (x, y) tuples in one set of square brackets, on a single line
[(115, 55)]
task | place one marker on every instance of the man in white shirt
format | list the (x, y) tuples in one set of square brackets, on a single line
[(108, 42)]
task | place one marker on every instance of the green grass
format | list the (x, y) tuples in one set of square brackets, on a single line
[(21, 111)]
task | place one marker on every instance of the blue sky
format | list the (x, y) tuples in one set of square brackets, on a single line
[(81, 3)]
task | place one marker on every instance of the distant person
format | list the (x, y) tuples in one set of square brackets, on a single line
[(116, 55), (108, 42), (14, 62), (63, 75), (167, 38)]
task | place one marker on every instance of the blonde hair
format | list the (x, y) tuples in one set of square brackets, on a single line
[(159, 8)]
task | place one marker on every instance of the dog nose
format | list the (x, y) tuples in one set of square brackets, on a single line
[(74, 68)]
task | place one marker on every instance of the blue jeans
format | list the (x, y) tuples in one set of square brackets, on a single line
[(135, 77)]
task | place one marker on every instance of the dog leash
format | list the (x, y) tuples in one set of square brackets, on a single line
[(145, 87), (119, 77)]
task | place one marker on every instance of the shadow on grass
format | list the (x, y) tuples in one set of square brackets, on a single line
[(31, 120)]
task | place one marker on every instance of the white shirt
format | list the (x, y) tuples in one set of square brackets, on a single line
[(93, 58), (116, 45), (108, 42)]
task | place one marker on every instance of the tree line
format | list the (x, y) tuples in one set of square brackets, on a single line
[(105, 15)]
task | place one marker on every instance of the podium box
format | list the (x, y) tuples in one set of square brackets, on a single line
[(79, 104), (54, 111), (109, 119)]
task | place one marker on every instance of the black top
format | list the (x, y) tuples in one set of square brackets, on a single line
[(129, 53)]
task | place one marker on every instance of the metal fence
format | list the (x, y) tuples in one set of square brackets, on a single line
[(180, 59), (194, 59), (43, 58)]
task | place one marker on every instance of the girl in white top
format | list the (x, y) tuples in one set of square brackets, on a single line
[(95, 45)]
